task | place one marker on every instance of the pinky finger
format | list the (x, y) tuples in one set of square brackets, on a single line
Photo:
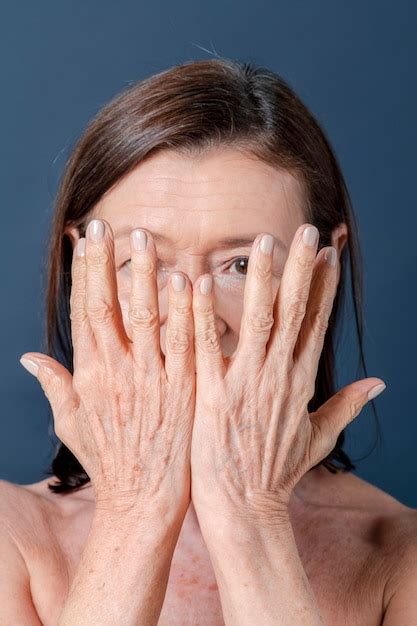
[(83, 340)]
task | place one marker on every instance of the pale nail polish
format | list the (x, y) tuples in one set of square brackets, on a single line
[(178, 282), (206, 285), (330, 256), (139, 240), (80, 247), (310, 235), (95, 230), (29, 365), (375, 391), (267, 244)]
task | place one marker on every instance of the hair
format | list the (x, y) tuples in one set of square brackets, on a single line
[(190, 108)]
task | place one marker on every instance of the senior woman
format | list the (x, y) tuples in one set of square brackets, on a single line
[(195, 278)]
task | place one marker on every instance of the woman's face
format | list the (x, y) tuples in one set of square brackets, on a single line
[(196, 209)]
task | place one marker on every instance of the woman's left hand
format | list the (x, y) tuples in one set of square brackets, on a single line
[(253, 438)]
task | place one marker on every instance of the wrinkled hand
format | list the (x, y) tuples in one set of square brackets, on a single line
[(126, 412), (253, 438)]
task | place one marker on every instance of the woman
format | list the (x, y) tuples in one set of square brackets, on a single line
[(201, 475)]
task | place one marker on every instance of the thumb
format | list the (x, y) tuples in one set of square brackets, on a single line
[(339, 410), (54, 378)]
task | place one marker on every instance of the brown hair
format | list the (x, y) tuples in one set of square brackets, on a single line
[(190, 108)]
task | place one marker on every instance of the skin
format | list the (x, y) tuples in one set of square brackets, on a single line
[(194, 207)]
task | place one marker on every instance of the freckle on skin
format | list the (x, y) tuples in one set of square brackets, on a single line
[(213, 587)]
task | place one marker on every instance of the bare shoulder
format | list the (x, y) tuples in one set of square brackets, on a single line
[(32, 514), (22, 514), (387, 521), (383, 532), (15, 501)]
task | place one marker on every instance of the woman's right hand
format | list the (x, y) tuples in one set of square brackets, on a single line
[(127, 411)]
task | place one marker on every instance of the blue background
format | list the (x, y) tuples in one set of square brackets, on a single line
[(353, 63)]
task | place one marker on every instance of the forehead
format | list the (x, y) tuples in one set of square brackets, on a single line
[(216, 193)]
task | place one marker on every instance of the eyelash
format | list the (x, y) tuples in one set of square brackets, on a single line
[(235, 260)]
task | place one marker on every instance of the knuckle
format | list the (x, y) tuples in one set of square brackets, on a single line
[(207, 339), (77, 311), (204, 309), (355, 407), (142, 316), (293, 314), (97, 257), (261, 321), (143, 264), (306, 382), (177, 340), (83, 382), (321, 318), (99, 311)]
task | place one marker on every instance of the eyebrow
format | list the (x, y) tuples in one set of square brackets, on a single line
[(225, 242)]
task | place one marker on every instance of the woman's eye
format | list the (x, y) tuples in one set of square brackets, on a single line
[(241, 263)]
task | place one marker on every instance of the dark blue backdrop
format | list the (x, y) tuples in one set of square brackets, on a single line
[(353, 63)]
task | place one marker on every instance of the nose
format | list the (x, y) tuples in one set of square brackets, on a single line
[(193, 265)]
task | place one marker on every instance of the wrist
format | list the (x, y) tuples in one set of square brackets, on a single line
[(256, 508), (159, 516), (223, 525)]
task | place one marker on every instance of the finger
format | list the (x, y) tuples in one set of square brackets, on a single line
[(341, 409), (209, 359), (56, 382), (179, 337), (291, 299), (257, 317), (82, 336), (323, 288), (102, 304), (143, 302)]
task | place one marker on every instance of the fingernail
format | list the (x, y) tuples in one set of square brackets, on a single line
[(139, 240), (206, 285), (30, 365), (95, 230), (267, 244), (80, 247), (178, 282), (375, 391), (310, 235), (330, 256)]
